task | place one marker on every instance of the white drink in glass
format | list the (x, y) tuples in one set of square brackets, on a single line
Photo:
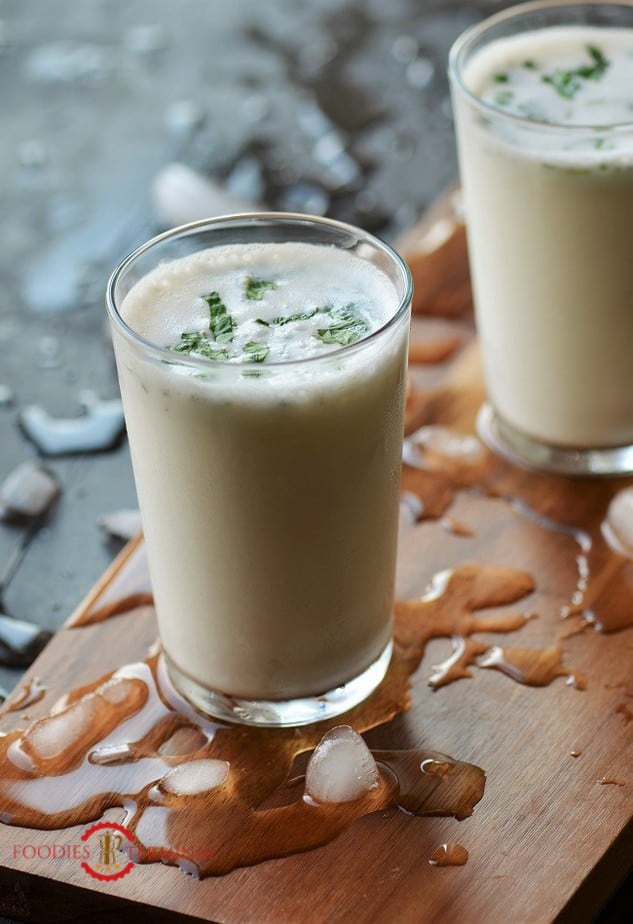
[(544, 116), (268, 476)]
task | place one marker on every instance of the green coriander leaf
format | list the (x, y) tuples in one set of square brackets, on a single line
[(221, 324), (568, 83), (256, 352), (347, 327), (289, 318), (500, 78), (564, 82), (254, 289), (530, 65), (199, 343), (600, 61)]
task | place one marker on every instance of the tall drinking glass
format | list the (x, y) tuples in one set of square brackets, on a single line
[(269, 492), (544, 116)]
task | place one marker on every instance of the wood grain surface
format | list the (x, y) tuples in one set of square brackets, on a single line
[(548, 840)]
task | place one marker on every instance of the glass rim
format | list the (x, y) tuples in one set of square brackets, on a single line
[(464, 41), (244, 219)]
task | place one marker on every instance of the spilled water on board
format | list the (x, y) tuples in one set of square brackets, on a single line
[(194, 789)]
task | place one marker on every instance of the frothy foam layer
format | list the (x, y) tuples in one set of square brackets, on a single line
[(293, 301), (569, 75), (564, 76)]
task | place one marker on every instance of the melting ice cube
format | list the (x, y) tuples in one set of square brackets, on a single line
[(180, 195), (618, 525), (194, 777), (121, 524), (51, 736), (28, 491), (20, 642), (98, 428), (341, 768)]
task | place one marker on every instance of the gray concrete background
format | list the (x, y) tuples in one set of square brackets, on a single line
[(97, 95)]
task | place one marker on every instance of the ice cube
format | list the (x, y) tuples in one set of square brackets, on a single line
[(618, 525), (342, 768), (48, 737), (194, 777), (20, 642), (28, 491), (121, 524), (98, 428), (180, 195)]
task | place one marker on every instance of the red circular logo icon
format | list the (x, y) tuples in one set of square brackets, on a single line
[(108, 837)]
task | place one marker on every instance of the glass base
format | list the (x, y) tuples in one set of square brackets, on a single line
[(283, 712), (515, 446)]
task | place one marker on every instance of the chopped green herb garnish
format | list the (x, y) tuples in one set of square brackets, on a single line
[(256, 352), (500, 78), (568, 83), (199, 343), (221, 324), (289, 318), (254, 289), (503, 98), (530, 65), (348, 327), (600, 61), (564, 82)]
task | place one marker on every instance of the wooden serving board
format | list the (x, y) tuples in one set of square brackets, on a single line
[(551, 836)]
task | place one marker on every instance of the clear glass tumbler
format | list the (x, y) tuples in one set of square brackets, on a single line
[(269, 498), (549, 211)]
